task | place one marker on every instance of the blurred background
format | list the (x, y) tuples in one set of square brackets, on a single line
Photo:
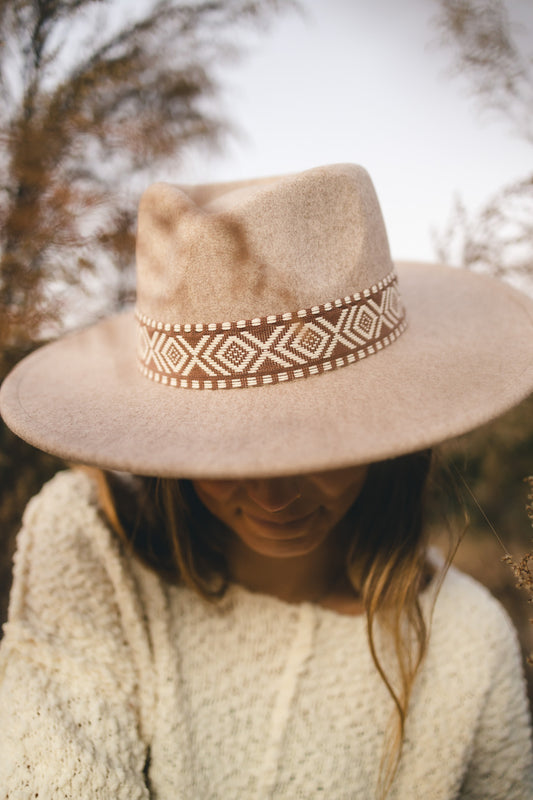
[(434, 97)]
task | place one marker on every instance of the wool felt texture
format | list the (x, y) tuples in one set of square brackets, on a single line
[(259, 250), (226, 252), (104, 664)]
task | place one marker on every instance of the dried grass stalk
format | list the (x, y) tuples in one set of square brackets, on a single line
[(522, 568)]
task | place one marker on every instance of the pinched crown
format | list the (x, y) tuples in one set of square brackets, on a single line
[(263, 281)]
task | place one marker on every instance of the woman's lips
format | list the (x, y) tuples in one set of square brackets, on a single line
[(281, 529)]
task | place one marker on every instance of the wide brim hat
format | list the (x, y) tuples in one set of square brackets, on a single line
[(273, 335)]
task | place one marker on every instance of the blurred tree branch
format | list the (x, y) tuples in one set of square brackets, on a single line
[(95, 93), (498, 240), (489, 57)]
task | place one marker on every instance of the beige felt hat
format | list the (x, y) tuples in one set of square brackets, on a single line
[(273, 335)]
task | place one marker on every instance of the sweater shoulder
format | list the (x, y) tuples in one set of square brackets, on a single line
[(76, 705), (67, 494), (67, 559), (469, 607), (471, 633)]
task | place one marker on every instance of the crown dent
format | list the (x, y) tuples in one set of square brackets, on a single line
[(260, 247)]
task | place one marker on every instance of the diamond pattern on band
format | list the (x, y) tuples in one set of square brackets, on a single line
[(275, 348)]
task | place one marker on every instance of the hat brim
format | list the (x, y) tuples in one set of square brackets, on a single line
[(465, 358)]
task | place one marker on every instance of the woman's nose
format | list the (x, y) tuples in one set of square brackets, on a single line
[(273, 494)]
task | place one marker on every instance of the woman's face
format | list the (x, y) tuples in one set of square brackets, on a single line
[(283, 517)]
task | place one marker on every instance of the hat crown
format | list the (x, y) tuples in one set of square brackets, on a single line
[(252, 248)]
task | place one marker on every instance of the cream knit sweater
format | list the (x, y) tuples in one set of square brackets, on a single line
[(114, 685)]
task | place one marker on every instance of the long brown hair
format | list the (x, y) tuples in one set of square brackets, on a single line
[(387, 562), (386, 559)]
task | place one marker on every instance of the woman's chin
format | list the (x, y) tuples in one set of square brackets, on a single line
[(275, 540)]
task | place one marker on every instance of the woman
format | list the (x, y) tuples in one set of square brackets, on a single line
[(261, 617)]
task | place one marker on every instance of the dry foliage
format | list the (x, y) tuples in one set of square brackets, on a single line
[(522, 569), (97, 98), (498, 240), (94, 95), (490, 57)]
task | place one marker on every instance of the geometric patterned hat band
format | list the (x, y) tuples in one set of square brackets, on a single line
[(272, 349)]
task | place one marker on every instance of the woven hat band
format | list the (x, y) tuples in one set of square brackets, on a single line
[(272, 349)]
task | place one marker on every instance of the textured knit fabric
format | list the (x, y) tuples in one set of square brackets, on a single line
[(114, 685)]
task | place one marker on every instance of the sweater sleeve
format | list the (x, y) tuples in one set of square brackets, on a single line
[(70, 714), (501, 764)]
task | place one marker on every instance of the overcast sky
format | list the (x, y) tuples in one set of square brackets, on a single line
[(364, 81)]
